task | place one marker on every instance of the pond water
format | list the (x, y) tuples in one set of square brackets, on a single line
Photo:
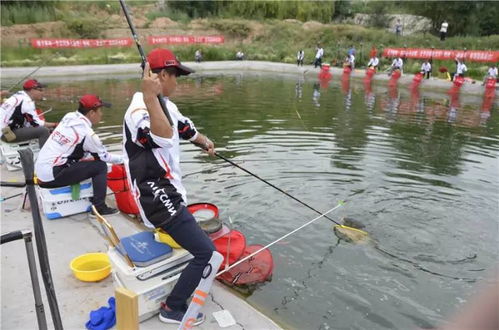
[(421, 172)]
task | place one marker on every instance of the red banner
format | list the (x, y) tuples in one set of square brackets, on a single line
[(443, 54), (179, 39), (80, 43)]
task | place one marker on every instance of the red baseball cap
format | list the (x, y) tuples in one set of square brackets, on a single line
[(91, 101), (33, 83), (160, 58)]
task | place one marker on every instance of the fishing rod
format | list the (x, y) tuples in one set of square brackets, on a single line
[(143, 57), (340, 203), (165, 110), (275, 187), (6, 198), (28, 75)]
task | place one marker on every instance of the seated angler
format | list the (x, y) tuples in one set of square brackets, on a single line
[(373, 62), (18, 118), (60, 162)]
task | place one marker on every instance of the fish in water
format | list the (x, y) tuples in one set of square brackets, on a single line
[(351, 234), (351, 231)]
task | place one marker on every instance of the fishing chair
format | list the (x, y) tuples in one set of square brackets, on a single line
[(139, 249)]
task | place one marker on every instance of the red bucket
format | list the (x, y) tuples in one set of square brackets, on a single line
[(233, 250), (116, 179), (396, 74), (418, 77), (117, 182), (458, 81), (256, 269), (491, 83), (126, 203), (370, 72)]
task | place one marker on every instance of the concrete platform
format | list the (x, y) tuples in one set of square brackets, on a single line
[(88, 72), (70, 237)]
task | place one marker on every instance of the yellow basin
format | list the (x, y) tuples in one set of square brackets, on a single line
[(91, 267)]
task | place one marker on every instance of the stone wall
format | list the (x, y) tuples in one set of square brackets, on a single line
[(411, 23)]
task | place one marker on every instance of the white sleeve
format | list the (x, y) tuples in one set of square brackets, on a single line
[(29, 108), (94, 145), (6, 110), (142, 135)]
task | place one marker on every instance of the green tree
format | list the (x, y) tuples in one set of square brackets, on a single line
[(464, 17), (195, 9), (322, 11)]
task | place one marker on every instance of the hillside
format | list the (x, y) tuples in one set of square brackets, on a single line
[(269, 40)]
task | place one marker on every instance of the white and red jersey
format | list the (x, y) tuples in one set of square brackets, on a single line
[(19, 111), (153, 162), (72, 140)]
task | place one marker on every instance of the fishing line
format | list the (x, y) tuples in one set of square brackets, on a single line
[(275, 187), (341, 203)]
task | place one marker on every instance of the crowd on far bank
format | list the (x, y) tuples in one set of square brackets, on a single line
[(426, 68), (348, 60)]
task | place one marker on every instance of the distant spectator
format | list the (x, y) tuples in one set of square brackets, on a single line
[(443, 30), (491, 73), (198, 56), (397, 64), (350, 62), (239, 55), (398, 27), (460, 69), (373, 62), (426, 69), (318, 56), (352, 51), (299, 57), (373, 52)]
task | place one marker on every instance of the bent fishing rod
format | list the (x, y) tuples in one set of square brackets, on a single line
[(143, 56), (28, 75), (165, 110)]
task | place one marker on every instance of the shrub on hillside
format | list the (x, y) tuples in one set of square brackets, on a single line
[(85, 27), (238, 29)]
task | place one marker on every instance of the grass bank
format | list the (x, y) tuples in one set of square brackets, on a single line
[(266, 40)]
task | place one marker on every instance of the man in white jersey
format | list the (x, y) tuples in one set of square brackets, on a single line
[(300, 56), (491, 73), (74, 153), (318, 56), (373, 62), (426, 69), (460, 68), (397, 64), (443, 30), (152, 160), (18, 118)]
